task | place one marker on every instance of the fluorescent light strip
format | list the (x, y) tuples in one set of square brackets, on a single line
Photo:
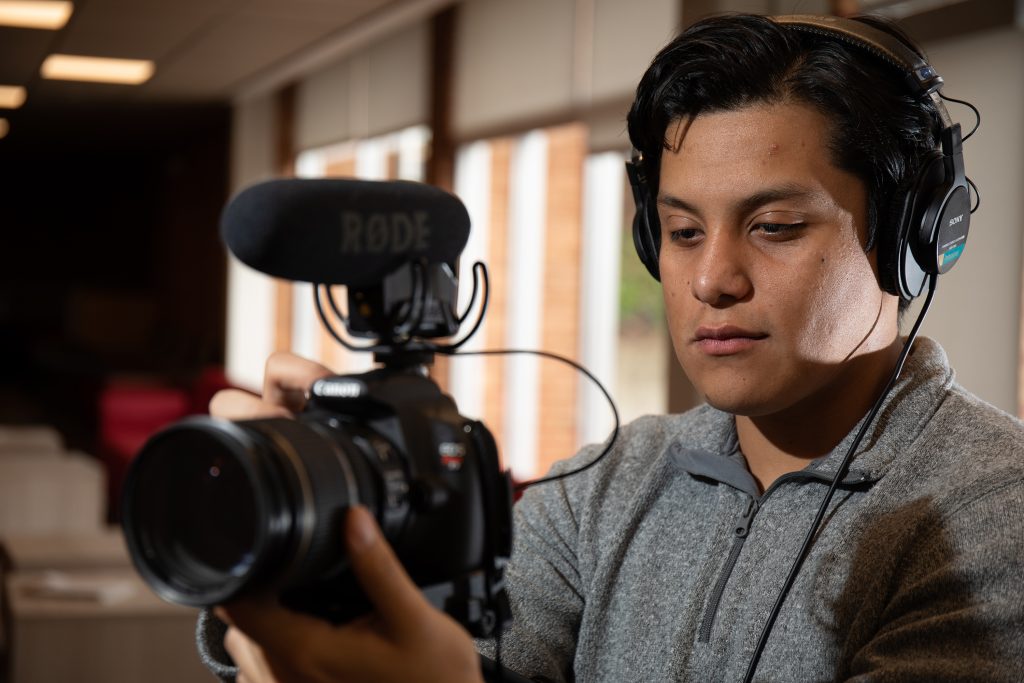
[(45, 14), (97, 69), (11, 96)]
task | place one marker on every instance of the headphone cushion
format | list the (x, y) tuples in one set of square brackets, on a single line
[(921, 198), (890, 234), (651, 236)]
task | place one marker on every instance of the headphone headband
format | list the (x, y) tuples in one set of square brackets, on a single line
[(929, 216), (862, 35), (920, 76)]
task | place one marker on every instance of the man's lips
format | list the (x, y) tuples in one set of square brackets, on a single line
[(726, 340)]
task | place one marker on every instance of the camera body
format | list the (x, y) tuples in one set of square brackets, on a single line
[(218, 509), (215, 509)]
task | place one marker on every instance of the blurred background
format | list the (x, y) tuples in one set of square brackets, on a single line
[(120, 310)]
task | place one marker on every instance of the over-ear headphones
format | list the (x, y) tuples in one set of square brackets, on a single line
[(932, 213)]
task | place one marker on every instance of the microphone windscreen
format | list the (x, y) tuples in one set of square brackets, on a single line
[(342, 231)]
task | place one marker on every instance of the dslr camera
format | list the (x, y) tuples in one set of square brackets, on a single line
[(217, 509)]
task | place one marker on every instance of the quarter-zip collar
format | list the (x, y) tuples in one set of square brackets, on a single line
[(731, 470), (717, 457), (917, 395)]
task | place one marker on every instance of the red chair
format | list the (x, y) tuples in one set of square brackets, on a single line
[(130, 413)]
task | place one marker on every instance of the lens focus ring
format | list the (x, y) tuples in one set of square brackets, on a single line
[(325, 490)]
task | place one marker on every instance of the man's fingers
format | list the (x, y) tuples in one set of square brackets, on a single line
[(235, 404), (287, 378), (247, 655), (396, 598), (276, 628), (286, 381)]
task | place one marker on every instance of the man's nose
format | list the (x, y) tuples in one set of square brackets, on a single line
[(722, 276)]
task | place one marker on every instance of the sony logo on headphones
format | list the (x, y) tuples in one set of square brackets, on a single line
[(956, 219)]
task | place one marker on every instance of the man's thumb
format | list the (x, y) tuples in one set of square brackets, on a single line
[(378, 570)]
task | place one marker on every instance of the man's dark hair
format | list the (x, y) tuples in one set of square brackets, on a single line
[(880, 130)]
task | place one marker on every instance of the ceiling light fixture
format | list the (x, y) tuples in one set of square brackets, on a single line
[(97, 69), (11, 96), (46, 14), (4, 127)]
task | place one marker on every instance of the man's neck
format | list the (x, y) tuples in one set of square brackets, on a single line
[(789, 440)]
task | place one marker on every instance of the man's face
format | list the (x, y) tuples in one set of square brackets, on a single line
[(768, 290)]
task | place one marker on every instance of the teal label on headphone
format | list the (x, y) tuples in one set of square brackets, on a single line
[(951, 255)]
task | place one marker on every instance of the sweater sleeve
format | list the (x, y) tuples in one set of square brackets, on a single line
[(957, 614), (545, 587)]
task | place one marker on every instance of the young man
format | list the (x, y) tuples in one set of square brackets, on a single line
[(775, 160)]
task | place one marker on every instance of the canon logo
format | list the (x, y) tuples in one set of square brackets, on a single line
[(384, 233), (956, 219), (341, 389)]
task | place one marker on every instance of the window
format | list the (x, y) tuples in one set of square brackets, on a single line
[(552, 222)]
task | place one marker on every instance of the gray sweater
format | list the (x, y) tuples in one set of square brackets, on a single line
[(662, 562)]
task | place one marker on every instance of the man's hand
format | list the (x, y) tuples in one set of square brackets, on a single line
[(286, 381), (404, 639)]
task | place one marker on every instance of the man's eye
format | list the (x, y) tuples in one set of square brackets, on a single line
[(778, 228), (683, 234)]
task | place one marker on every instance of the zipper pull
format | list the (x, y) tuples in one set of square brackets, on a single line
[(743, 523)]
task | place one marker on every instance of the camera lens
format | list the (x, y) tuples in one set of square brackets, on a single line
[(215, 508)]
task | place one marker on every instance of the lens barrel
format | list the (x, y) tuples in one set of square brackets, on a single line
[(214, 509)]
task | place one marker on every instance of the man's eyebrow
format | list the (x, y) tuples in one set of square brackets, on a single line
[(747, 204)]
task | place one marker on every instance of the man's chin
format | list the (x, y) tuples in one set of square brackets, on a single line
[(740, 403)]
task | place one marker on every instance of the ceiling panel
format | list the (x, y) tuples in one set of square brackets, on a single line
[(137, 32), (202, 48), (69, 95), (21, 53), (204, 51), (331, 11), (229, 52)]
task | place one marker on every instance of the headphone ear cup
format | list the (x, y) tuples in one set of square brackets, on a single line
[(646, 234), (646, 228), (926, 190), (890, 240)]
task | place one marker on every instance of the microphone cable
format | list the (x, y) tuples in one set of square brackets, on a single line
[(609, 442), (840, 473), (481, 280)]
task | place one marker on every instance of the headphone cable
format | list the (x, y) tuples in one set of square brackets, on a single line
[(840, 473)]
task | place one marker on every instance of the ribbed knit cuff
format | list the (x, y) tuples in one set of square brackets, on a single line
[(210, 642)]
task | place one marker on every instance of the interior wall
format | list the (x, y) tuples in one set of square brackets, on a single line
[(546, 60), (518, 62), (977, 309), (379, 89), (513, 61)]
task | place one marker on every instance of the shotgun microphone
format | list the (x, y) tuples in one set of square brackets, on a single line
[(342, 231)]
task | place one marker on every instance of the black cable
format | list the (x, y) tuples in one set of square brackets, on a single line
[(449, 349), (452, 351), (327, 323), (334, 306), (472, 299), (977, 114), (977, 195), (840, 473), (568, 361)]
